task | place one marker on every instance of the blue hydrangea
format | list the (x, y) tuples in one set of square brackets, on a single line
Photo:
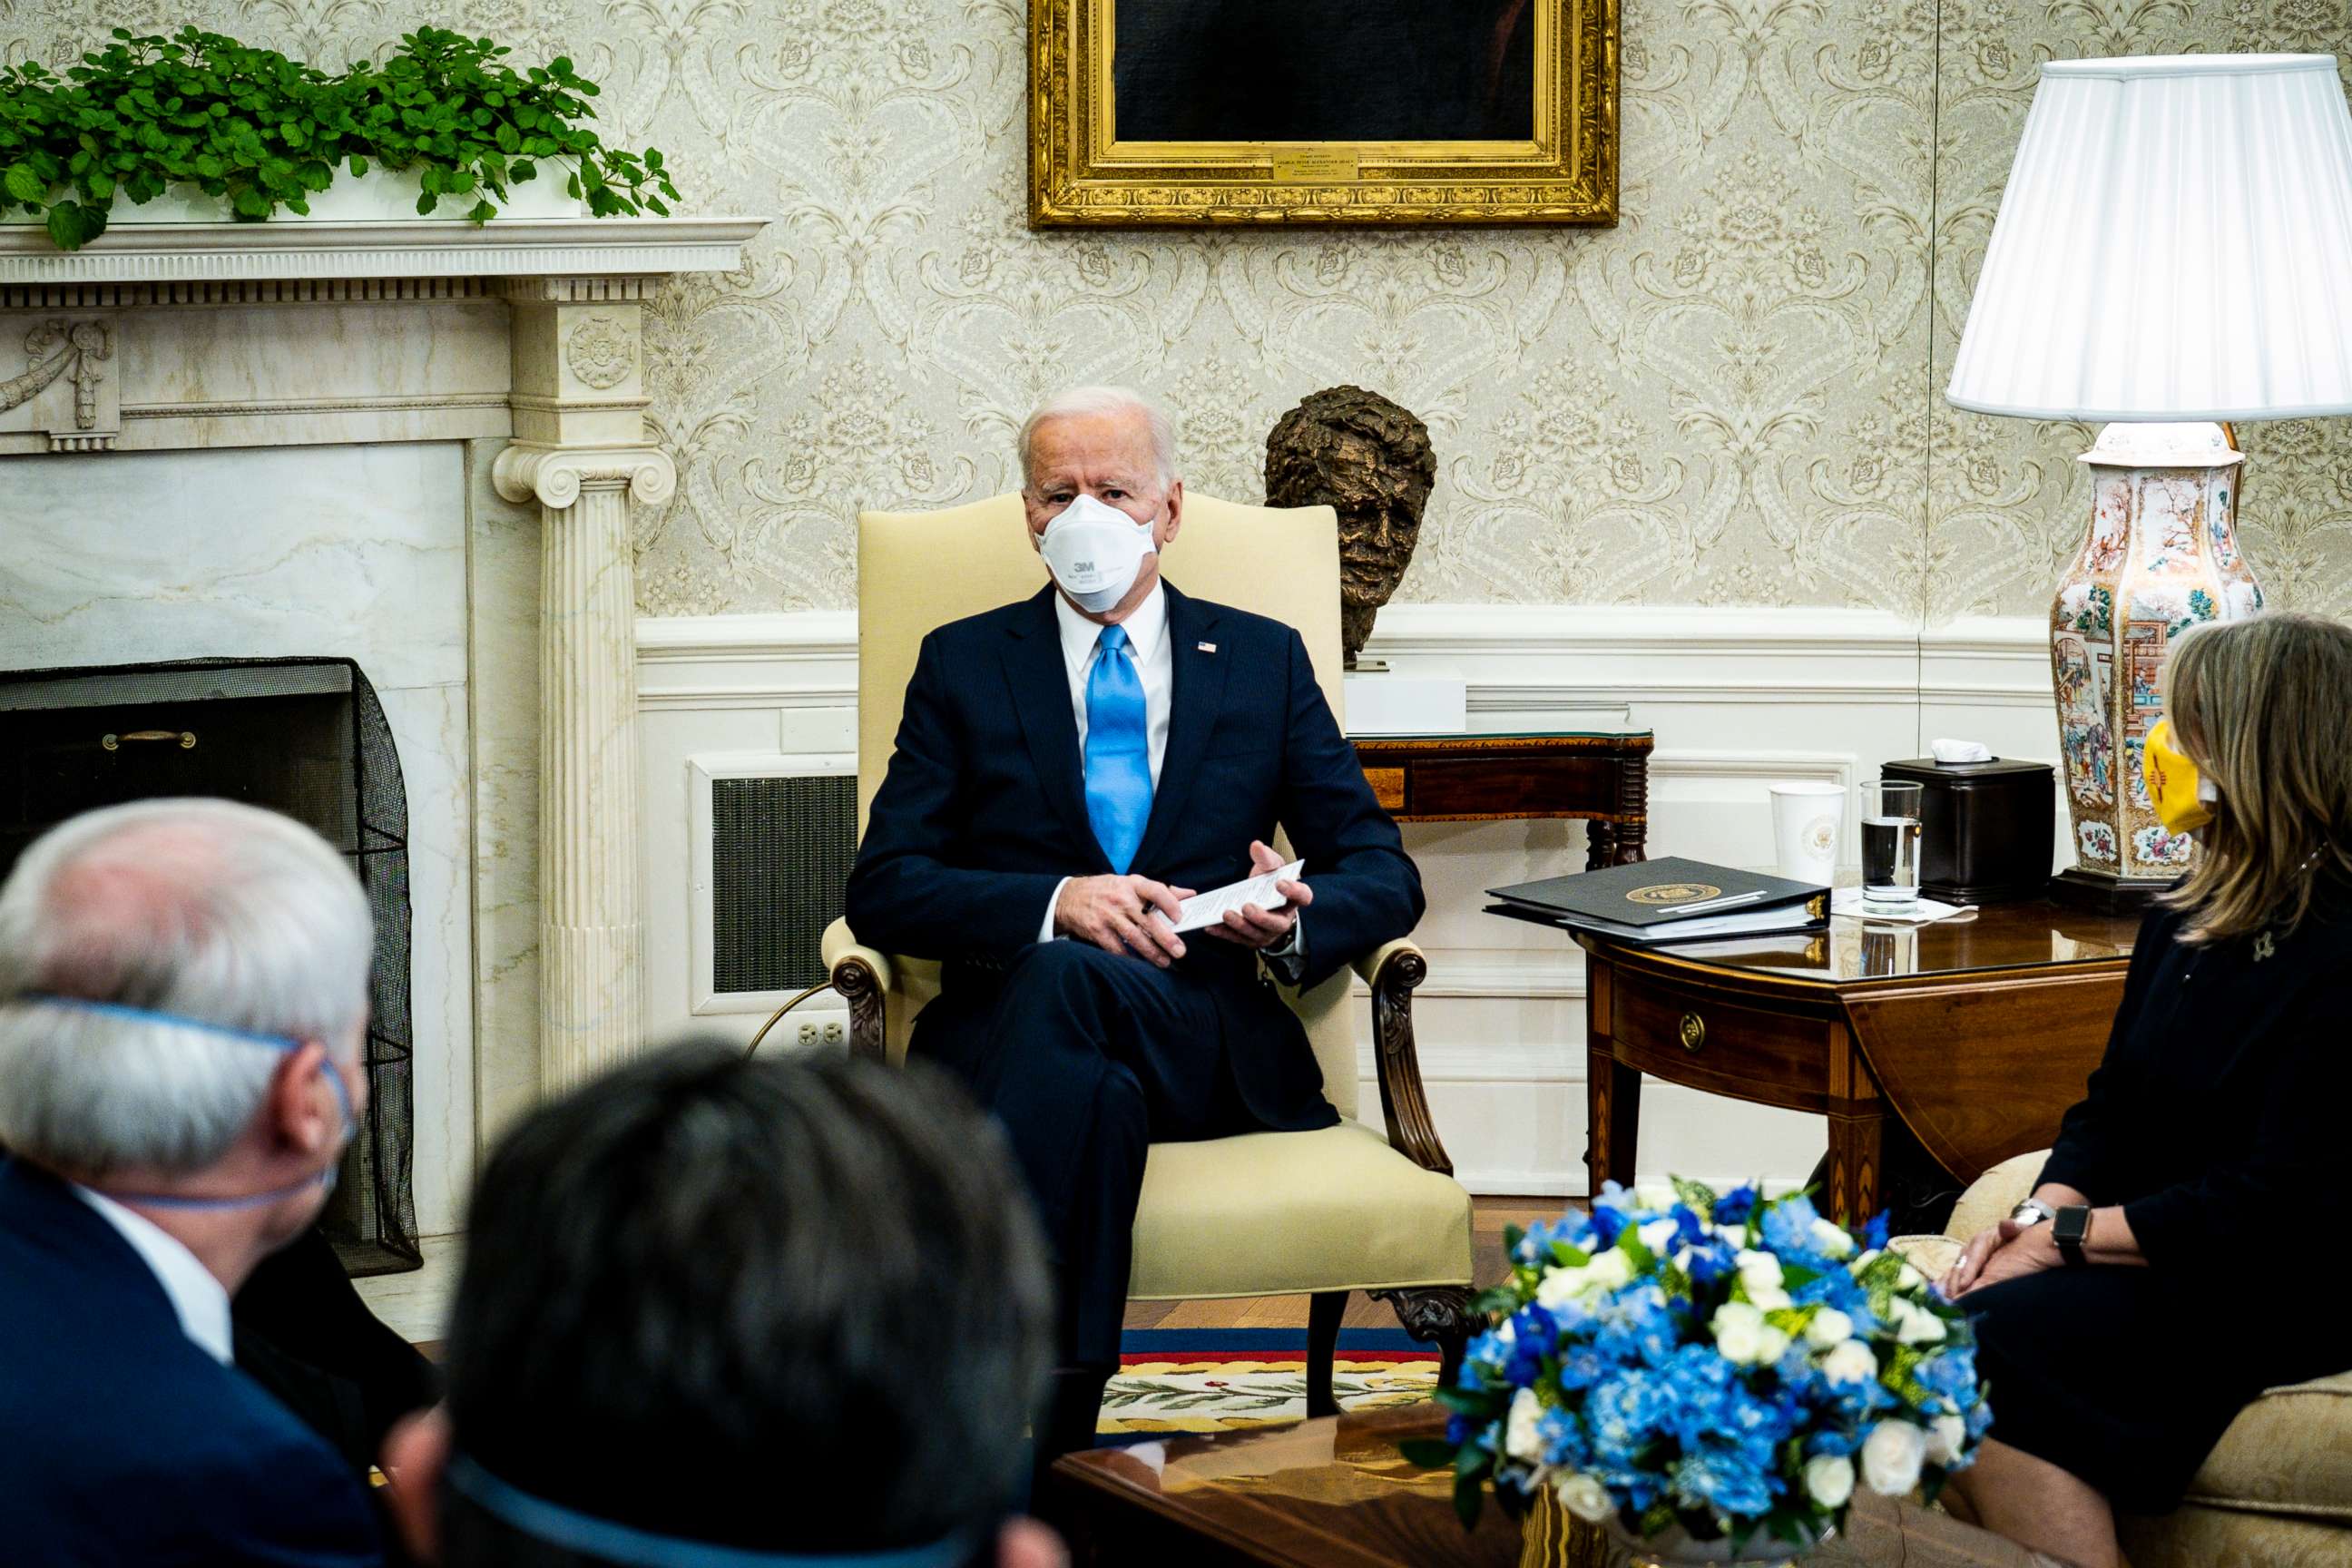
[(1724, 1480), (1563, 1438), (1734, 1207), (1789, 1228)]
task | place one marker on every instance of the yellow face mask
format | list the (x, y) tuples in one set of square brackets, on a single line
[(2182, 797)]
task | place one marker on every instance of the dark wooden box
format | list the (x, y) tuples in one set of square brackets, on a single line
[(1984, 828)]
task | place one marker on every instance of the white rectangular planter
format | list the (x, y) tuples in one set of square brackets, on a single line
[(381, 195)]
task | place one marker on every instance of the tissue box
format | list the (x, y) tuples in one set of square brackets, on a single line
[(1984, 828)]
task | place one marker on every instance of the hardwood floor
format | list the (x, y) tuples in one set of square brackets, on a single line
[(1490, 1216)]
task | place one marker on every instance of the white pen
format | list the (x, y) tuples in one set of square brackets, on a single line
[(1715, 903)]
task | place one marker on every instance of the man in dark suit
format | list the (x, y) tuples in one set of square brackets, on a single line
[(183, 997), (1068, 769)]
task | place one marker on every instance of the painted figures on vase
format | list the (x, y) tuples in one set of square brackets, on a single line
[(2161, 557)]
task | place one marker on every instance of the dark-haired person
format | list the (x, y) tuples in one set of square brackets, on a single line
[(713, 1308), (2198, 1164)]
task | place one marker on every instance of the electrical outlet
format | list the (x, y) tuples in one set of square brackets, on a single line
[(808, 1034), (832, 1035)]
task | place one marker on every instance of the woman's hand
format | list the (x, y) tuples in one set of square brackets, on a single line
[(2024, 1250), (1965, 1270), (2007, 1251)]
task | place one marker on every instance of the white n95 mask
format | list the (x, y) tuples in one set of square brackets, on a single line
[(1094, 553)]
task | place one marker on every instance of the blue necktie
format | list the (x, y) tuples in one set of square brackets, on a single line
[(1118, 750)]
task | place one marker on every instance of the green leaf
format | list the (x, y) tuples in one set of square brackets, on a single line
[(1429, 1453), (24, 186), (481, 212), (1469, 1500), (69, 227), (1696, 1196)]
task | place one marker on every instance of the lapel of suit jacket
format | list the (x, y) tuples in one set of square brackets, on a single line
[(1041, 696), (1197, 680)]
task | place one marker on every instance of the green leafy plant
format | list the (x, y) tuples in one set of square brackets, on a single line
[(262, 132)]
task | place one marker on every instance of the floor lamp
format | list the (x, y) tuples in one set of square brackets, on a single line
[(2174, 249)]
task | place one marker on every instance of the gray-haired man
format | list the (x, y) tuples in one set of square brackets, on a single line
[(182, 998)]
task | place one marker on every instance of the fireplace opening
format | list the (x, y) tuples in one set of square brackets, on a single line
[(306, 737)]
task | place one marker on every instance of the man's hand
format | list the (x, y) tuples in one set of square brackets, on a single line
[(1123, 914), (1253, 927)]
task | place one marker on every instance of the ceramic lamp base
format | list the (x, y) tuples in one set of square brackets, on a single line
[(2161, 556)]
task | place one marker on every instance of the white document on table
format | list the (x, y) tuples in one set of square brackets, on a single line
[(1209, 909)]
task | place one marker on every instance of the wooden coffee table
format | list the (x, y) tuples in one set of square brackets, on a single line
[(1333, 1493)]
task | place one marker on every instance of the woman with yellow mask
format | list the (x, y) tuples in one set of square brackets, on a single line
[(2122, 1313)]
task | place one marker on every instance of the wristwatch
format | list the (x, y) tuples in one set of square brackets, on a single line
[(2070, 1230), (2031, 1211)]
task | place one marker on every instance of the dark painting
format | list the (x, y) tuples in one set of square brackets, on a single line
[(1323, 70)]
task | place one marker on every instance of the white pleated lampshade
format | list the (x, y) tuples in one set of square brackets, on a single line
[(2175, 243)]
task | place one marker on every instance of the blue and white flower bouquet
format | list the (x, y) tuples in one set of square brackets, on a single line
[(1709, 1369)]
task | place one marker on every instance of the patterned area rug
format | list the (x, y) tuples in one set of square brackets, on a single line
[(1218, 1379)]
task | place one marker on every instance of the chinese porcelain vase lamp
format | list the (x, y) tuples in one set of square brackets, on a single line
[(2174, 249)]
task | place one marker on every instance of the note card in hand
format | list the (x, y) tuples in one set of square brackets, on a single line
[(1209, 909)]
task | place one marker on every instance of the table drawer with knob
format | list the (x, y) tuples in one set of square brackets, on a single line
[(1716, 1040)]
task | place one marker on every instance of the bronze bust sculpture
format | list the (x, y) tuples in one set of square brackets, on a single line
[(1370, 460)]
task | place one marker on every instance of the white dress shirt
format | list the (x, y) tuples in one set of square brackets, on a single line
[(200, 1300), (1155, 665)]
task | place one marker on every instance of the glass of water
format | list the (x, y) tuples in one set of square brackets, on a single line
[(1890, 845)]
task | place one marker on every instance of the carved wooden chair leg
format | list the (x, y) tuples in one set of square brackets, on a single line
[(1324, 1311), (1439, 1315), (862, 989)]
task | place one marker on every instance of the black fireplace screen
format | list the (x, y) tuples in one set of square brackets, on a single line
[(302, 736)]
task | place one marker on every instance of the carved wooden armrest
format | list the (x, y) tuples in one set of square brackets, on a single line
[(1392, 971), (862, 976)]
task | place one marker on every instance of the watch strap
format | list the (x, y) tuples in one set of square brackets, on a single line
[(2031, 1211), (2070, 1230)]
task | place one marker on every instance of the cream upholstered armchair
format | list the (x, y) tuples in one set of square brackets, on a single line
[(1265, 1213), (2276, 1490)]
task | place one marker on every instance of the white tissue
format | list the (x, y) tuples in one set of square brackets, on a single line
[(1962, 752)]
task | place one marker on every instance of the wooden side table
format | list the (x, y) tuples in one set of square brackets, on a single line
[(1599, 779), (1970, 1037)]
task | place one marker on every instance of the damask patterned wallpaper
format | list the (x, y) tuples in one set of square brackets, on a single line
[(1734, 397)]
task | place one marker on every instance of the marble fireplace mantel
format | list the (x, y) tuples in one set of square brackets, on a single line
[(524, 335)]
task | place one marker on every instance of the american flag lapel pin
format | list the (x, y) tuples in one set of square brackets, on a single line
[(1206, 647)]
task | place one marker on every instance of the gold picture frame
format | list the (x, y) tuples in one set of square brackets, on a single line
[(1082, 175)]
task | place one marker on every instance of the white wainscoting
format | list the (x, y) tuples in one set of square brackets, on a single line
[(1738, 698)]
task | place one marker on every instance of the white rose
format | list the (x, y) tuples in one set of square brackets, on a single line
[(1737, 1235), (1852, 1361), (1863, 1261), (1610, 1271), (1915, 1325), (1521, 1440), (1739, 1333), (1831, 1241), (1757, 1271), (1559, 1287), (1585, 1497), (1910, 1279), (1772, 1345), (1768, 1298), (1891, 1456), (1947, 1436), (1653, 1195), (1829, 1479), (1657, 1233), (1829, 1327)]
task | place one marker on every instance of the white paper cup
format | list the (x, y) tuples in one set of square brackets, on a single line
[(1808, 820)]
